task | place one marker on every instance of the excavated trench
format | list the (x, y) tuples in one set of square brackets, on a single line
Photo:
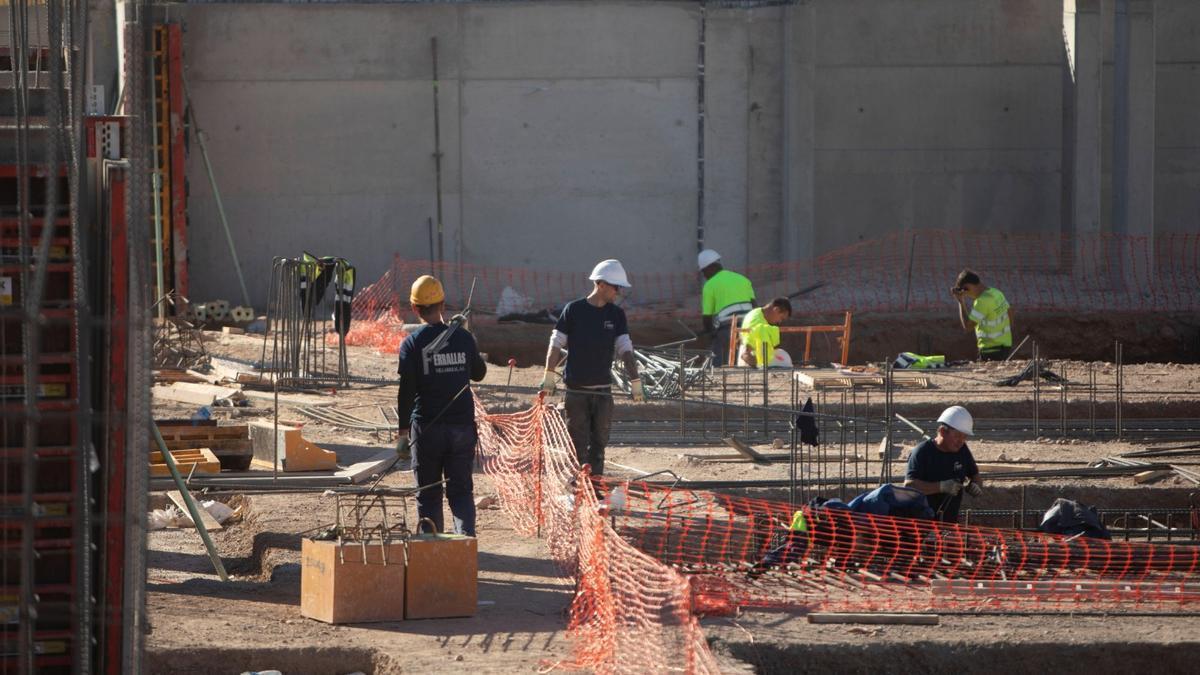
[(1147, 337), (314, 660), (958, 658)]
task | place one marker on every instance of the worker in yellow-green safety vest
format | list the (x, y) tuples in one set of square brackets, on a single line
[(760, 335), (726, 294), (790, 551), (990, 316)]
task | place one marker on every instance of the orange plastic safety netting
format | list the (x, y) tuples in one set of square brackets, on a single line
[(631, 613), (648, 559), (384, 334), (901, 271), (745, 552)]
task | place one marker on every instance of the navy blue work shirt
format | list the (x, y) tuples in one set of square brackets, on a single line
[(428, 383), (591, 340), (929, 464)]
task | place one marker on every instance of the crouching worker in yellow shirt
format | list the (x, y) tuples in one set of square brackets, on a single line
[(760, 335)]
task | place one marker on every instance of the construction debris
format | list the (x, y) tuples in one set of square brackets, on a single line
[(294, 452), (1027, 374)]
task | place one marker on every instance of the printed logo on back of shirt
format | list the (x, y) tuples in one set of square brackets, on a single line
[(450, 359), (608, 325), (958, 466)]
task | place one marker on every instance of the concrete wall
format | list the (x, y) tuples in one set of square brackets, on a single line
[(569, 130)]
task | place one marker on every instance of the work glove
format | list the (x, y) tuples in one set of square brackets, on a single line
[(549, 382), (950, 486), (635, 388), (973, 489), (403, 446)]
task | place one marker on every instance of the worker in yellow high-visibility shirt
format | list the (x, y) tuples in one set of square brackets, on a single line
[(725, 294), (990, 316), (760, 334)]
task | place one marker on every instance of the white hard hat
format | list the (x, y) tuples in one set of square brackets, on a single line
[(611, 272), (957, 417), (781, 359), (707, 257)]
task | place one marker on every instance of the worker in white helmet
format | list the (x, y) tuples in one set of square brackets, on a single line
[(939, 467), (591, 330), (725, 294)]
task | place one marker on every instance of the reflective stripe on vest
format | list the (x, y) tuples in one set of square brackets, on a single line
[(727, 313)]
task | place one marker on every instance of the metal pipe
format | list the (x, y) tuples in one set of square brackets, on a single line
[(188, 501)]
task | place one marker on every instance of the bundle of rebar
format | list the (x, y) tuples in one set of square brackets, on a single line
[(666, 374), (297, 324)]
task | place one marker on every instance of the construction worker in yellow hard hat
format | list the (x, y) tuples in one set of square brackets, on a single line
[(591, 330), (725, 294), (436, 410)]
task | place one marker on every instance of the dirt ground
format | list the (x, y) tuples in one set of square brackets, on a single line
[(201, 625)]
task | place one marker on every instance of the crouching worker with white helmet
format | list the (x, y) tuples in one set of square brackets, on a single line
[(939, 466), (591, 330)]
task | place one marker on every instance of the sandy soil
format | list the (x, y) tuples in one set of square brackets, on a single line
[(202, 625)]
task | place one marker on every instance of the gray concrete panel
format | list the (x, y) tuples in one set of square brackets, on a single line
[(1176, 199), (1178, 106), (728, 53), (938, 32), (764, 182), (266, 226), (607, 165), (965, 107), (1177, 30), (580, 40), (318, 42), (333, 138)]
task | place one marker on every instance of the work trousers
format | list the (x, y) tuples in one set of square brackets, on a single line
[(720, 344), (994, 353), (589, 418), (446, 451)]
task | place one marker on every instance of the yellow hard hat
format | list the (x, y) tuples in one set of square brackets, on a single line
[(426, 290)]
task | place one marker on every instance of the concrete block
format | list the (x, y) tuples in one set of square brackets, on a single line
[(440, 581), (233, 330), (295, 453), (340, 585)]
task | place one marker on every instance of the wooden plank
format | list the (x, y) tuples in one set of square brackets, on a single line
[(828, 378), (745, 450), (205, 517), (202, 459), (876, 619)]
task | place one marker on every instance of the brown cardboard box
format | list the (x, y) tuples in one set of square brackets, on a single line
[(343, 589), (441, 576)]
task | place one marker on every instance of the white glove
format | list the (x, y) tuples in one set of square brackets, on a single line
[(950, 486), (973, 489), (549, 382), (635, 388)]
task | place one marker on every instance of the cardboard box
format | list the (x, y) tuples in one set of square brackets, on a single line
[(441, 577), (344, 589)]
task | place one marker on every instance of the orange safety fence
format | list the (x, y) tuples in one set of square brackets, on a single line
[(742, 552), (631, 613), (903, 271), (647, 560)]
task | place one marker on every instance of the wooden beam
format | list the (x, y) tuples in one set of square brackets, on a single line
[(746, 451), (876, 619)]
